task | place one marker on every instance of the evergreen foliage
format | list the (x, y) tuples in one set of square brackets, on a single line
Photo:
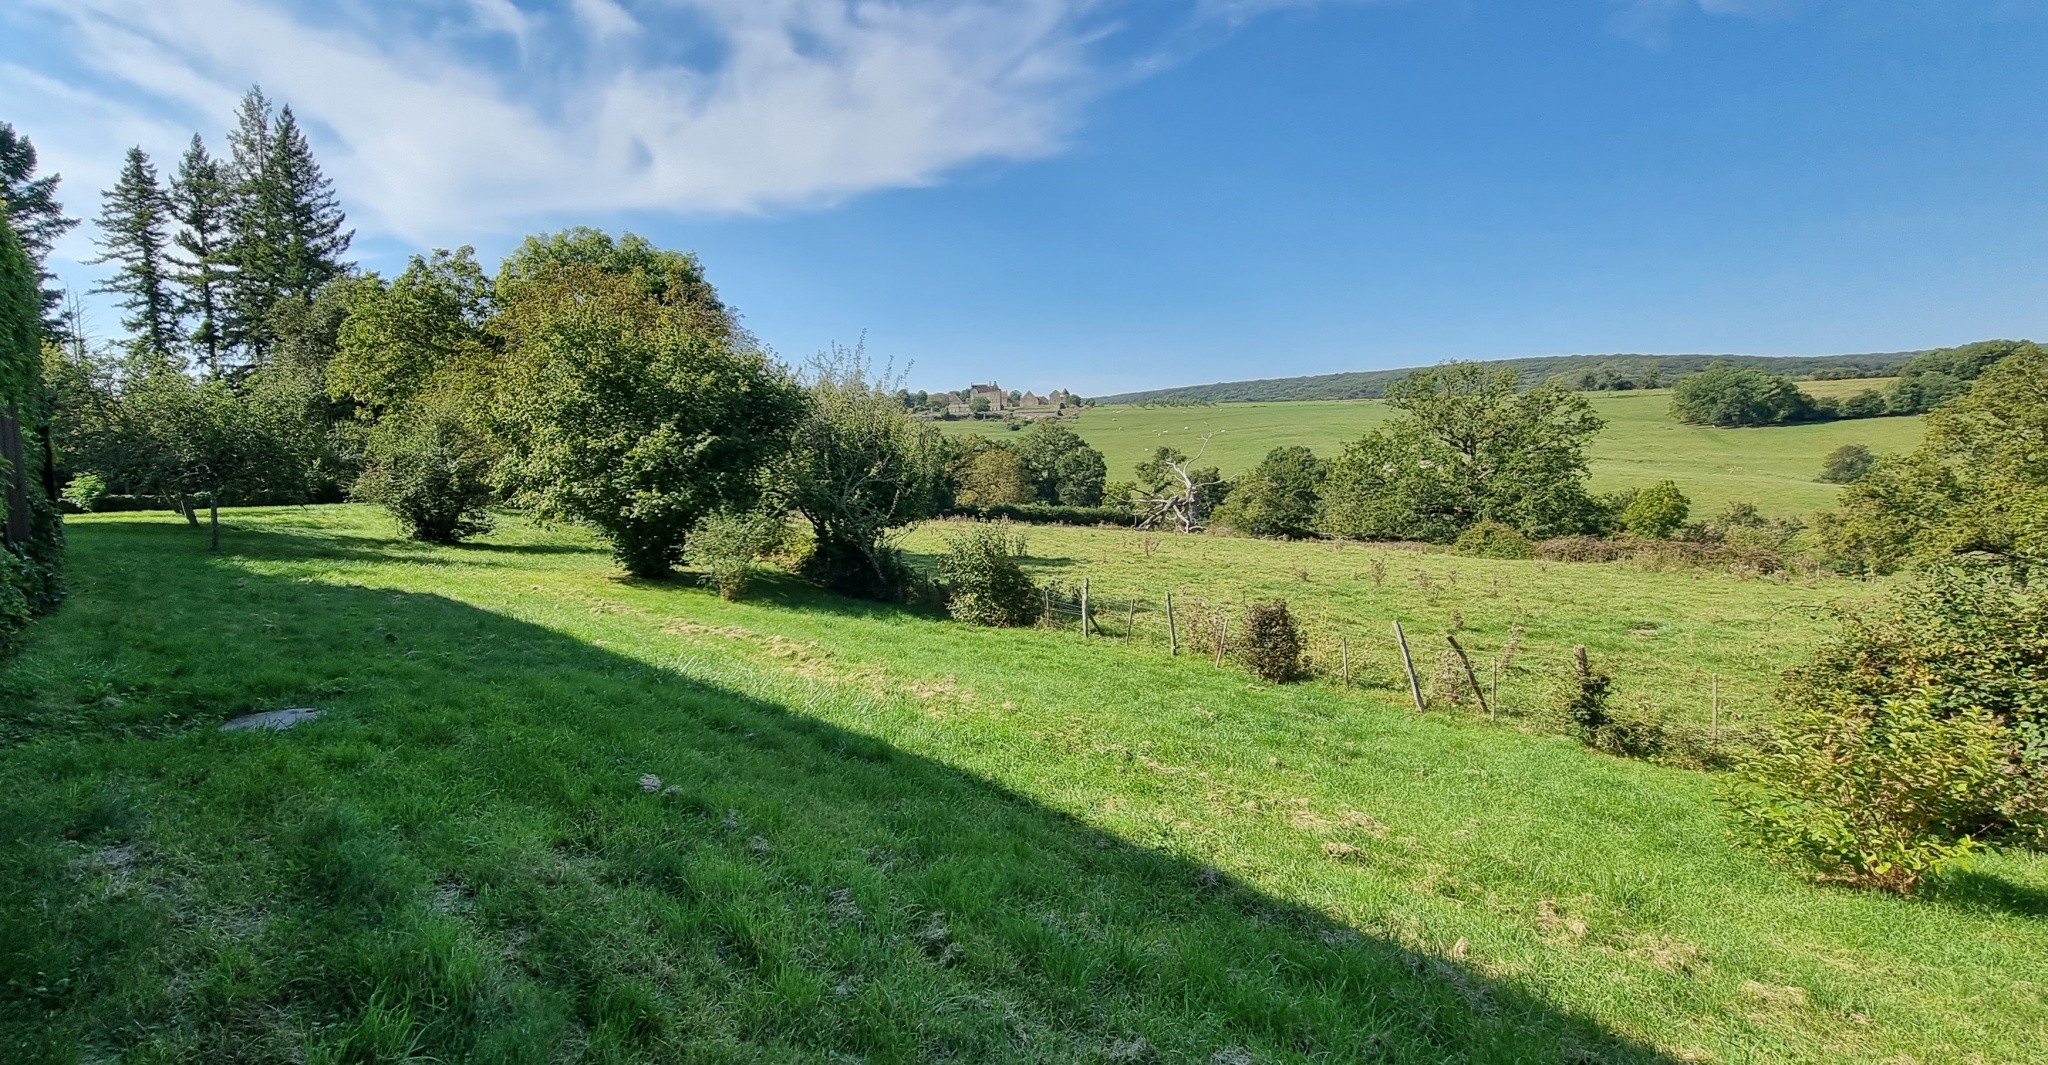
[(38, 219), (200, 199), (135, 237), (286, 236)]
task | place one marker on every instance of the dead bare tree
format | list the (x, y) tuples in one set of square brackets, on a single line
[(1175, 499)]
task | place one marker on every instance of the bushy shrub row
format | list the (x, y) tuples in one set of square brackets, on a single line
[(1044, 514)]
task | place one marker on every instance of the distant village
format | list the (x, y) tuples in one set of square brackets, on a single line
[(991, 401)]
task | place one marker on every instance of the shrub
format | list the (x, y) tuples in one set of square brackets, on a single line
[(1727, 395), (984, 584), (1494, 539), (431, 469), (1847, 463), (1657, 512), (725, 544), (1279, 497), (1268, 643), (1870, 794), (1039, 514), (84, 492), (1585, 697)]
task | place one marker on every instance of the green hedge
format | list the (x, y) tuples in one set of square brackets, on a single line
[(1046, 514)]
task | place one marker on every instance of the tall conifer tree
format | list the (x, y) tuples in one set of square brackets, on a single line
[(38, 219), (309, 241), (286, 235), (200, 201), (134, 223), (248, 294)]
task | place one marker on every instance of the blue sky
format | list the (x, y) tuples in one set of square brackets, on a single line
[(1107, 195)]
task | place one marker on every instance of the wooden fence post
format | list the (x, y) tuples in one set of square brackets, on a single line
[(1715, 733), (1222, 641), (1172, 637), (1084, 608), (1470, 675), (1345, 643), (1131, 621), (1414, 685), (1048, 606)]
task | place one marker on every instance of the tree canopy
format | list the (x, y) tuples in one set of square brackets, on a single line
[(1469, 447)]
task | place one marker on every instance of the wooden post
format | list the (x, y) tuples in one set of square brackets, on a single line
[(1470, 674), (1172, 637), (1344, 642), (1048, 606), (1222, 641), (1130, 621), (1493, 684), (1715, 733), (1084, 608), (1414, 685)]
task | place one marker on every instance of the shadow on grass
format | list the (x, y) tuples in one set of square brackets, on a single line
[(1979, 892), (462, 861)]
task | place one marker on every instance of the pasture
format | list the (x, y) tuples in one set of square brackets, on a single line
[(1773, 468), (554, 815)]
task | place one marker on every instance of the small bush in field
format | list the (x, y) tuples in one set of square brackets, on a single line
[(1585, 697), (984, 584), (1494, 539), (85, 492), (1870, 794), (1269, 643), (725, 544), (1656, 512)]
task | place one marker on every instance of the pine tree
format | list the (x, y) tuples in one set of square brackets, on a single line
[(248, 293), (200, 202), (286, 237), (309, 240), (134, 224), (32, 208)]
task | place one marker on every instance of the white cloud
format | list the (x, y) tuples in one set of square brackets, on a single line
[(1649, 21), (683, 105)]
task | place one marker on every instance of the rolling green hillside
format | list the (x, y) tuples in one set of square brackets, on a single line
[(1773, 468), (554, 815), (1371, 384)]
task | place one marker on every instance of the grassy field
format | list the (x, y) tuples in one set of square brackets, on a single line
[(1773, 468), (882, 837), (1672, 640)]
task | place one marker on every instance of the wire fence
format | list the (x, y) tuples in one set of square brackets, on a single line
[(1430, 670)]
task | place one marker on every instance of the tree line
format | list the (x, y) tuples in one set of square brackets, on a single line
[(1731, 396)]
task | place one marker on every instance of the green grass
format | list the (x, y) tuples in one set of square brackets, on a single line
[(1773, 468), (1671, 639), (890, 839)]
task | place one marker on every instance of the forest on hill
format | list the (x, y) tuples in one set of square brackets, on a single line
[(1582, 372)]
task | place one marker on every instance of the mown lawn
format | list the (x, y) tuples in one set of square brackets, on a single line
[(1773, 468), (878, 836)]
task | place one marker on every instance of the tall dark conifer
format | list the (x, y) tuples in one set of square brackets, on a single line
[(309, 241), (248, 294), (286, 224), (38, 219), (200, 201), (134, 223)]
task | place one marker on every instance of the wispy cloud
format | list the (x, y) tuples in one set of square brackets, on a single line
[(1650, 22), (445, 115)]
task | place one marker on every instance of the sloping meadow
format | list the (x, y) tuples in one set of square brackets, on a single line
[(551, 814)]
